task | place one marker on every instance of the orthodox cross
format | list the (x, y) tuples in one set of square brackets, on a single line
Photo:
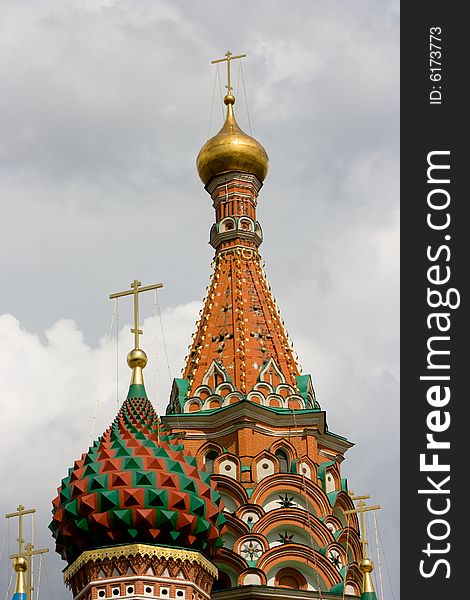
[(21, 511), (135, 291), (29, 551), (228, 57), (361, 509)]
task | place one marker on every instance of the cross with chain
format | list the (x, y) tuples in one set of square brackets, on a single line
[(361, 509), (135, 291), (228, 57)]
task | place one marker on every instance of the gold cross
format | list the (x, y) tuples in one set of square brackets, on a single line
[(135, 291), (228, 57), (361, 509), (21, 511), (29, 548)]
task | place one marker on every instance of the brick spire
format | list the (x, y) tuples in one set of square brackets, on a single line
[(240, 330)]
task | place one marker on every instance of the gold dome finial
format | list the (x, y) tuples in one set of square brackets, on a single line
[(366, 567), (136, 359), (231, 149), (21, 566)]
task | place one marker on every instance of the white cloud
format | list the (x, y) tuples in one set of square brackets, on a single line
[(59, 394)]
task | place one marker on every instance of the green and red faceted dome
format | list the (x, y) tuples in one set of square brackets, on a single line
[(135, 485)]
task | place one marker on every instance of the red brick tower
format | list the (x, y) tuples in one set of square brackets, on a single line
[(244, 409)]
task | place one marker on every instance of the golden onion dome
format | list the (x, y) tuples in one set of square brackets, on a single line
[(231, 150)]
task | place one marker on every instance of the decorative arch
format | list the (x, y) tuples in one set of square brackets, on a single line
[(290, 482), (232, 488), (265, 464), (224, 389), (285, 445), (236, 525), (336, 554), (228, 464), (232, 398), (284, 390), (291, 578), (271, 374), (353, 578), (295, 402), (246, 224), (205, 450), (193, 404), (250, 514), (230, 563), (256, 397), (274, 401), (351, 589), (333, 524), (264, 388), (227, 224), (313, 526), (343, 502), (306, 468), (349, 539), (214, 376), (328, 473), (203, 392), (308, 561), (252, 577)]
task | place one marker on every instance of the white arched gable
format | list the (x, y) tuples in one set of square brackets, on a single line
[(270, 369), (228, 467), (330, 484), (214, 376), (264, 467), (227, 224)]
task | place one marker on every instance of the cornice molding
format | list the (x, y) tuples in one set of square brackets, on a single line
[(240, 415), (160, 552), (217, 238), (258, 592)]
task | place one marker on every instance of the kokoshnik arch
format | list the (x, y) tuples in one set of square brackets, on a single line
[(237, 489)]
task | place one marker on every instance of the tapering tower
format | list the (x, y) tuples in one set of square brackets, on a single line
[(135, 518), (249, 415)]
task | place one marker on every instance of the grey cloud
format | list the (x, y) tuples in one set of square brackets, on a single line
[(104, 109)]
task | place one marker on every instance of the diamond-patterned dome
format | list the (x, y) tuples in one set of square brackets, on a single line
[(135, 484)]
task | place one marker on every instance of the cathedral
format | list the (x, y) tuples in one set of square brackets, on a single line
[(237, 491)]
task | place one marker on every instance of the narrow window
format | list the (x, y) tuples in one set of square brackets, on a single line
[(209, 461), (283, 461)]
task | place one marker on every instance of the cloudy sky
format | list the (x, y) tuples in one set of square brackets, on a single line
[(103, 109)]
